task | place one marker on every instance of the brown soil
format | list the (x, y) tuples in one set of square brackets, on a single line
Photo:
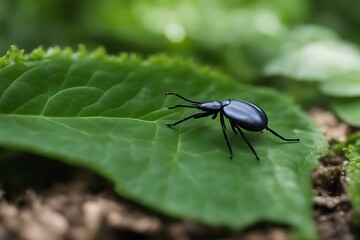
[(80, 205), (332, 210)]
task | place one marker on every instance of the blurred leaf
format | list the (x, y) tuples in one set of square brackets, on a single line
[(314, 53), (108, 114), (306, 34), (177, 20), (343, 85), (348, 109), (239, 36), (316, 61), (224, 33)]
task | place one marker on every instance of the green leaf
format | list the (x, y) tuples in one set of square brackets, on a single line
[(348, 109), (108, 114), (314, 54), (343, 85), (352, 167)]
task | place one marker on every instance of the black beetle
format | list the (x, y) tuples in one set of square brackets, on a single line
[(241, 114)]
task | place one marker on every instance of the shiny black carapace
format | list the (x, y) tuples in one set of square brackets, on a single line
[(241, 114)]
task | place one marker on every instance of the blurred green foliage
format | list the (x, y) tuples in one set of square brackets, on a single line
[(237, 36)]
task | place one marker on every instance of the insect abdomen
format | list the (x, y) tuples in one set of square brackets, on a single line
[(247, 115)]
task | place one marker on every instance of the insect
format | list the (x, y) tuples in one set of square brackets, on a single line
[(241, 115)]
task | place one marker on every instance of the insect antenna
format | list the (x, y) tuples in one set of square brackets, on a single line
[(179, 96)]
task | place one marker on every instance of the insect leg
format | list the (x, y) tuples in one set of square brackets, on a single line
[(281, 137), (248, 143), (196, 115), (174, 93), (233, 127), (223, 126)]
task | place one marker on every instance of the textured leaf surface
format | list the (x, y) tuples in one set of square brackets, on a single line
[(348, 109), (108, 114)]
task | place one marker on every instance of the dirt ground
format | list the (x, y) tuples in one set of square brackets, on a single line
[(82, 205), (333, 212)]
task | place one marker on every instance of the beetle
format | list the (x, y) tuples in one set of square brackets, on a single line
[(241, 115)]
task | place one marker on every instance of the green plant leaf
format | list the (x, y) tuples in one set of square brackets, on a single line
[(352, 167), (108, 114), (348, 109), (343, 85), (315, 60)]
